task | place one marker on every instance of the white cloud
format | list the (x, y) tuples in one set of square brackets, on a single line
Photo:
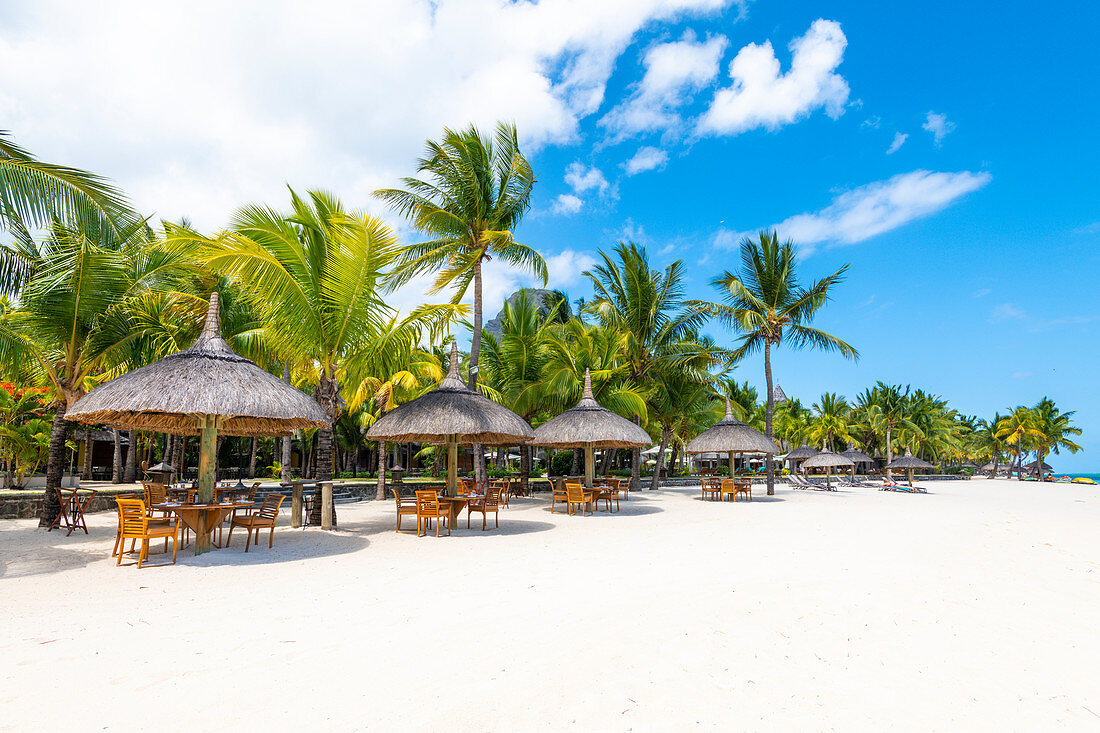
[(567, 266), (872, 209), (226, 102), (1006, 312), (982, 292), (646, 159), (899, 140), (761, 96), (673, 72), (938, 125), (567, 204), (581, 178)]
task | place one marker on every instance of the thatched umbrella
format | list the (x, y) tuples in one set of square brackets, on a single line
[(160, 471), (452, 414), (205, 390), (588, 425), (908, 462), (800, 454), (826, 459), (857, 456), (730, 435)]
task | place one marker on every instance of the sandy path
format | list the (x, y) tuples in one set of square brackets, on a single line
[(974, 607)]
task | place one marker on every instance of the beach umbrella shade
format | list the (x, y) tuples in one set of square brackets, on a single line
[(588, 425), (826, 459), (452, 414), (729, 435), (800, 454), (204, 390), (908, 462), (1031, 467), (161, 470), (856, 456)]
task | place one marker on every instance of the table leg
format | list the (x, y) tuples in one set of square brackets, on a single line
[(202, 534)]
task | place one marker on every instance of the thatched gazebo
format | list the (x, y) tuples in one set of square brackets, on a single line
[(729, 435), (452, 414), (204, 390), (1029, 467), (908, 463), (826, 459), (162, 472), (589, 426)]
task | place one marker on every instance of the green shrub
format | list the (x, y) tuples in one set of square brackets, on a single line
[(561, 463)]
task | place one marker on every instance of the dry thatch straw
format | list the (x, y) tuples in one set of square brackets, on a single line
[(826, 459), (803, 451), (856, 456), (452, 412), (908, 461), (588, 425), (730, 435), (171, 395)]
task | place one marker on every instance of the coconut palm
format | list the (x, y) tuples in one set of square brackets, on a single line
[(1055, 427), (765, 303), (315, 276), (885, 411), (830, 424), (647, 307), (1021, 431), (469, 195)]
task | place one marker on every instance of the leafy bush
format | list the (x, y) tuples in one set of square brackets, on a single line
[(561, 463), (275, 470)]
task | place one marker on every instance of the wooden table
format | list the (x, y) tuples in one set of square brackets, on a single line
[(456, 503), (202, 519)]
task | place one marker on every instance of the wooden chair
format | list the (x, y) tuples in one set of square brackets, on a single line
[(557, 493), (728, 488), (465, 486), (608, 493), (428, 507), (711, 487), (743, 488), (577, 495), (490, 503), (509, 486), (133, 524), (265, 517), (406, 507)]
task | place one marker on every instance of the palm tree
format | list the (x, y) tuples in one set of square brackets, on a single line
[(830, 422), (315, 275), (1020, 430), (648, 308), (886, 410), (1056, 428), (469, 194), (765, 302), (987, 443), (76, 281)]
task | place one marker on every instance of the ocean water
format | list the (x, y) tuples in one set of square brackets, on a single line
[(1094, 476)]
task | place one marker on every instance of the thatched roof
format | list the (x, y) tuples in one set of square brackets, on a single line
[(589, 424), (856, 456), (825, 459), (1031, 466), (452, 409), (730, 435), (804, 451), (161, 467), (207, 379), (909, 461)]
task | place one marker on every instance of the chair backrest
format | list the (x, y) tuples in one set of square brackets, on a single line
[(427, 501), (270, 508), (131, 516), (252, 491), (154, 493), (557, 488), (574, 492), (729, 484), (492, 498)]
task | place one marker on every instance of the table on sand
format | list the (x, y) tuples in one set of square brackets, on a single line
[(202, 519)]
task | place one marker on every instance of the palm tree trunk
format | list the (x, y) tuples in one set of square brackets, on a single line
[(116, 461), (524, 468), (55, 466), (475, 357), (131, 457), (889, 452), (86, 470), (636, 462), (578, 461), (380, 490), (252, 461), (665, 434), (768, 417)]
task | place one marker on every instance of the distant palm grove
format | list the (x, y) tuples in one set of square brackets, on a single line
[(92, 289)]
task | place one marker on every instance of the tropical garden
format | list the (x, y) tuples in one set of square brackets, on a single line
[(91, 289)]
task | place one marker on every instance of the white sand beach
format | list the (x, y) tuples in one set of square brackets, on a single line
[(973, 607)]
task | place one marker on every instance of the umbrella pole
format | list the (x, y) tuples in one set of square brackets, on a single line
[(828, 474), (589, 466), (910, 478), (208, 440), (731, 463), (452, 466)]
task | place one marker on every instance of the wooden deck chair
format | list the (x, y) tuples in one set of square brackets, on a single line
[(557, 494), (428, 507), (264, 518), (489, 503), (133, 524), (576, 495), (728, 487), (406, 506)]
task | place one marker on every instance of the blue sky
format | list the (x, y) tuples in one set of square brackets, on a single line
[(946, 150)]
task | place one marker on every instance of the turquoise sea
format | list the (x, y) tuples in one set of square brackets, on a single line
[(1094, 476)]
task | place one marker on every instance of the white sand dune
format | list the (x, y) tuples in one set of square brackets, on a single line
[(972, 607)]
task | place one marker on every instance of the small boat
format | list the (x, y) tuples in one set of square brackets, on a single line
[(1084, 480)]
